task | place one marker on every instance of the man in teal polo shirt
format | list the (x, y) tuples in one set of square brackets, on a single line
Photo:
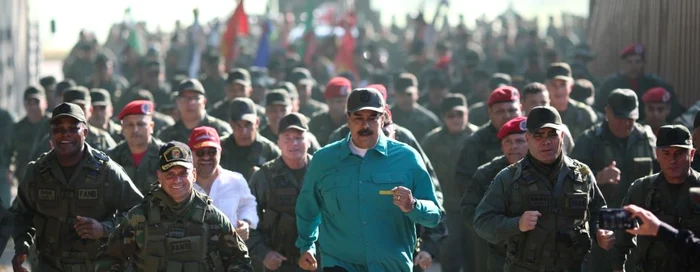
[(369, 192)]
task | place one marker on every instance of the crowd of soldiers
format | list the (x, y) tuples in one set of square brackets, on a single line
[(136, 174)]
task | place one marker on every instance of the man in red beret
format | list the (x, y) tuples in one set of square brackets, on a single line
[(138, 153), (657, 107), (483, 145), (633, 77), (322, 125), (514, 148)]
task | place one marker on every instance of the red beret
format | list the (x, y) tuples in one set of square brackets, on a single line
[(379, 88), (656, 95), (136, 107), (515, 125), (504, 94), (337, 87), (443, 63), (633, 49)]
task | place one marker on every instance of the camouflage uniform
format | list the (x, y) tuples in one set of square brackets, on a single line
[(440, 146), (215, 87), (244, 159), (276, 189), (160, 235), (312, 108), (221, 110), (144, 174), (479, 114), (478, 149), (115, 130), (322, 126), (672, 205), (180, 133), (116, 85), (569, 200), (578, 117), (50, 198), (492, 259)]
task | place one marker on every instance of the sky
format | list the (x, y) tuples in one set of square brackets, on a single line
[(98, 15)]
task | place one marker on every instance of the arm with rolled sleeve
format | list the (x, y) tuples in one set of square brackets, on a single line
[(490, 219), (308, 208)]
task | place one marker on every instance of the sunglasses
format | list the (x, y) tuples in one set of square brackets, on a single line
[(207, 151)]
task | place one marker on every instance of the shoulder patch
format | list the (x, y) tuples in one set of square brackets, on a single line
[(584, 169), (100, 155)]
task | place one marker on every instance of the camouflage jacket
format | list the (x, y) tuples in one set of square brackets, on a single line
[(157, 235)]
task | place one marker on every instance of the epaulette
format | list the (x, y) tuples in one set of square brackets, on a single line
[(583, 168), (100, 155)]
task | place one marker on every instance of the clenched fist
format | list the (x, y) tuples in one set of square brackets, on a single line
[(528, 220)]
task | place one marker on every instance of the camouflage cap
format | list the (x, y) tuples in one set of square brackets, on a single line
[(175, 153)]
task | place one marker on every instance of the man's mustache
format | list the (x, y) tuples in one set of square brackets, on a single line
[(365, 132)]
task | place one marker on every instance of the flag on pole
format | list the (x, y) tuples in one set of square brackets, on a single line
[(237, 25), (133, 39), (263, 55)]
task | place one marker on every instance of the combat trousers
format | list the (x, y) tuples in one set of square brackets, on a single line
[(456, 250)]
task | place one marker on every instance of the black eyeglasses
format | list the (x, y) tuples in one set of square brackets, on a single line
[(207, 151)]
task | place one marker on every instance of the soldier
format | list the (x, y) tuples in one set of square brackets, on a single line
[(102, 112), (619, 150), (212, 78), (584, 91), (7, 122), (438, 89), (657, 107), (160, 120), (238, 84), (301, 77), (151, 79), (483, 145), (277, 105), (576, 116), (49, 85), (407, 112), (443, 145), (323, 124), (103, 77), (245, 149), (291, 89), (29, 130), (260, 83), (666, 195), (348, 177), (96, 138), (536, 94), (276, 187), (138, 153), (688, 116), (545, 206), (71, 198), (514, 147), (478, 111), (191, 103), (175, 228), (633, 77)]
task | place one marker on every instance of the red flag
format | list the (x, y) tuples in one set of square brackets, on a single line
[(344, 59), (237, 26)]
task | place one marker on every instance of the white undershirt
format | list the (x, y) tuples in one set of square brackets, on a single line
[(356, 150)]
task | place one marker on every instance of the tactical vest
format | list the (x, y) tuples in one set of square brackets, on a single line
[(58, 205), (561, 238), (279, 220), (180, 244), (637, 162), (653, 255)]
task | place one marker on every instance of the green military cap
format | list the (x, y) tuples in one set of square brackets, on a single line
[(190, 85), (278, 97), (175, 153), (674, 136), (453, 102), (365, 99), (300, 75), (34, 92), (559, 70), (47, 81), (78, 94), (243, 109), (100, 97), (64, 85), (238, 75), (70, 110), (405, 83), (293, 121), (290, 88), (543, 117), (623, 103), (499, 79)]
